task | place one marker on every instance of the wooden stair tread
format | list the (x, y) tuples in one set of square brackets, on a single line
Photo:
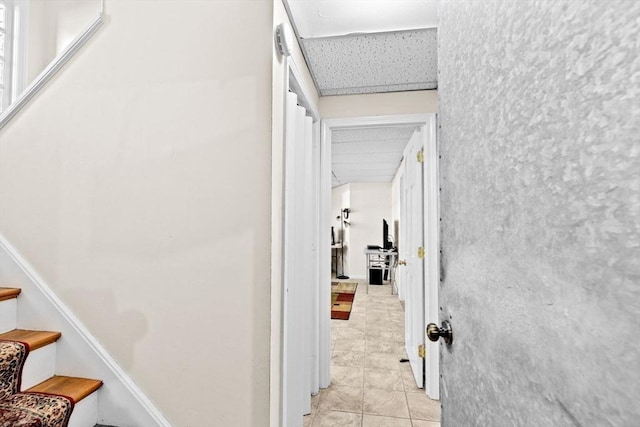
[(35, 339), (9, 293), (75, 388)]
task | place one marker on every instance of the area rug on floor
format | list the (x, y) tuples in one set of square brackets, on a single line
[(342, 294), (26, 409)]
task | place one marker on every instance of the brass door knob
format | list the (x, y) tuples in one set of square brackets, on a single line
[(402, 262), (434, 332)]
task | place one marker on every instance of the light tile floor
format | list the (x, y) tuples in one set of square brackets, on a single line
[(369, 385)]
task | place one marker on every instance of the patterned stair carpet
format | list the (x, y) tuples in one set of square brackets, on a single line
[(26, 409)]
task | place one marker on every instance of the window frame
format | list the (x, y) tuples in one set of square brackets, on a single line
[(6, 85)]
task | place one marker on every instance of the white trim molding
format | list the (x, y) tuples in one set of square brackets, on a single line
[(121, 401), (428, 123)]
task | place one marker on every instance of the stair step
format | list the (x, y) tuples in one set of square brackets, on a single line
[(75, 388), (35, 339), (9, 293)]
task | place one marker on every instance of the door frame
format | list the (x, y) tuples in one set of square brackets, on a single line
[(428, 122)]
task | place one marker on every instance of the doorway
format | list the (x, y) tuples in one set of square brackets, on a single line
[(348, 338)]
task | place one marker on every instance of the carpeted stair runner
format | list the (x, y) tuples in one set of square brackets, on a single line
[(27, 409)]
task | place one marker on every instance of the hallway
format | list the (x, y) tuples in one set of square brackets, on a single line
[(370, 387)]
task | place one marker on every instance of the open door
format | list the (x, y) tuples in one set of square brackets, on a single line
[(413, 250), (419, 253)]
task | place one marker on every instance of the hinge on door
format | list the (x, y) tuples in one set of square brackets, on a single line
[(421, 252), (420, 156), (421, 351)]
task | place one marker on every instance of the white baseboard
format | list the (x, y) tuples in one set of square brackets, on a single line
[(79, 353)]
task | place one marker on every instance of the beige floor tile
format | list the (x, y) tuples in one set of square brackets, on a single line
[(314, 401), (336, 418), (423, 423), (385, 336), (374, 345), (423, 408), (347, 358), (385, 402), (376, 302), (397, 324), (379, 327), (356, 317), (307, 420), (378, 421), (341, 398), (401, 351), (347, 344), (379, 290), (408, 379), (349, 333), (383, 380), (347, 375), (337, 323), (377, 316), (383, 361)]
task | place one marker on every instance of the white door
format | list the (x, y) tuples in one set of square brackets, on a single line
[(401, 271), (414, 269), (431, 187), (299, 238)]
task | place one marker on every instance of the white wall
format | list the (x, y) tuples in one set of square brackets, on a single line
[(138, 184), (341, 199), (378, 104), (369, 204), (395, 205), (51, 26)]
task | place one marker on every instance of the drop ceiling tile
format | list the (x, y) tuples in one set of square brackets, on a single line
[(376, 62)]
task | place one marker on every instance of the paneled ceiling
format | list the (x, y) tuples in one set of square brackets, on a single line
[(368, 155)]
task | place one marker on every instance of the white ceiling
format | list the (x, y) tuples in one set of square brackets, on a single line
[(367, 155), (322, 18)]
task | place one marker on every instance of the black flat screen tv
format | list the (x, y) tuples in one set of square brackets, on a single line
[(386, 243)]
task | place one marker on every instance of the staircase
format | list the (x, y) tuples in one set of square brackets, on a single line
[(38, 373)]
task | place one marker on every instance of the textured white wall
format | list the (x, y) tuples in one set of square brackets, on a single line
[(138, 184), (540, 176)]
